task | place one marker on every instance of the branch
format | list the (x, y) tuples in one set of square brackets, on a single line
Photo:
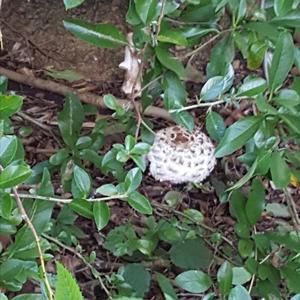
[(36, 238), (89, 98)]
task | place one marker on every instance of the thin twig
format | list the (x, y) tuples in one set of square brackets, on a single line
[(36, 238), (94, 272), (293, 209), (207, 104), (89, 98), (61, 200)]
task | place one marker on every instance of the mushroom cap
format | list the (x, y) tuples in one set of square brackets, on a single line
[(178, 156)]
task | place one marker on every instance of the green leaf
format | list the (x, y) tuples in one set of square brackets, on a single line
[(110, 101), (240, 276), (237, 135), (256, 202), (216, 86), (169, 61), (166, 287), (173, 36), (190, 254), (137, 277), (66, 286), (140, 149), (146, 10), (100, 35), (72, 3), (132, 17), (193, 281), (140, 203), (280, 171), (8, 149), (70, 120), (282, 7), (6, 205), (282, 61), (215, 125), (224, 277), (9, 105), (174, 91), (82, 181), (184, 119), (59, 157), (238, 293), (83, 208), (292, 277), (237, 206), (292, 121), (255, 54), (288, 98), (107, 190), (291, 19), (101, 214), (245, 247), (45, 188), (13, 175), (252, 86), (132, 180)]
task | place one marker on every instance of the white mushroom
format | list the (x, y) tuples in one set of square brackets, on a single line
[(178, 156)]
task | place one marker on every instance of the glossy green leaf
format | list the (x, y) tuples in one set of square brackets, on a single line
[(282, 61), (237, 135), (59, 157), (216, 86), (82, 181), (133, 180), (166, 287), (70, 119), (101, 214), (282, 7), (292, 121), (292, 277), (288, 98), (110, 101), (7, 228), (174, 91), (82, 207), (13, 175), (66, 286), (224, 278), (140, 203), (255, 54), (256, 202), (291, 19), (146, 10), (184, 119), (238, 293), (107, 190), (245, 247), (9, 105), (240, 275), (72, 3), (252, 86), (28, 297), (6, 205), (169, 62), (280, 171), (140, 149), (100, 35), (193, 281), (8, 149), (172, 36), (215, 126)]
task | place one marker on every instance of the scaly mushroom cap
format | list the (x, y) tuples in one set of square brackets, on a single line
[(178, 156)]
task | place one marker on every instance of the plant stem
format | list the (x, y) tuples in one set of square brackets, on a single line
[(36, 238), (94, 272), (208, 104), (61, 200)]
